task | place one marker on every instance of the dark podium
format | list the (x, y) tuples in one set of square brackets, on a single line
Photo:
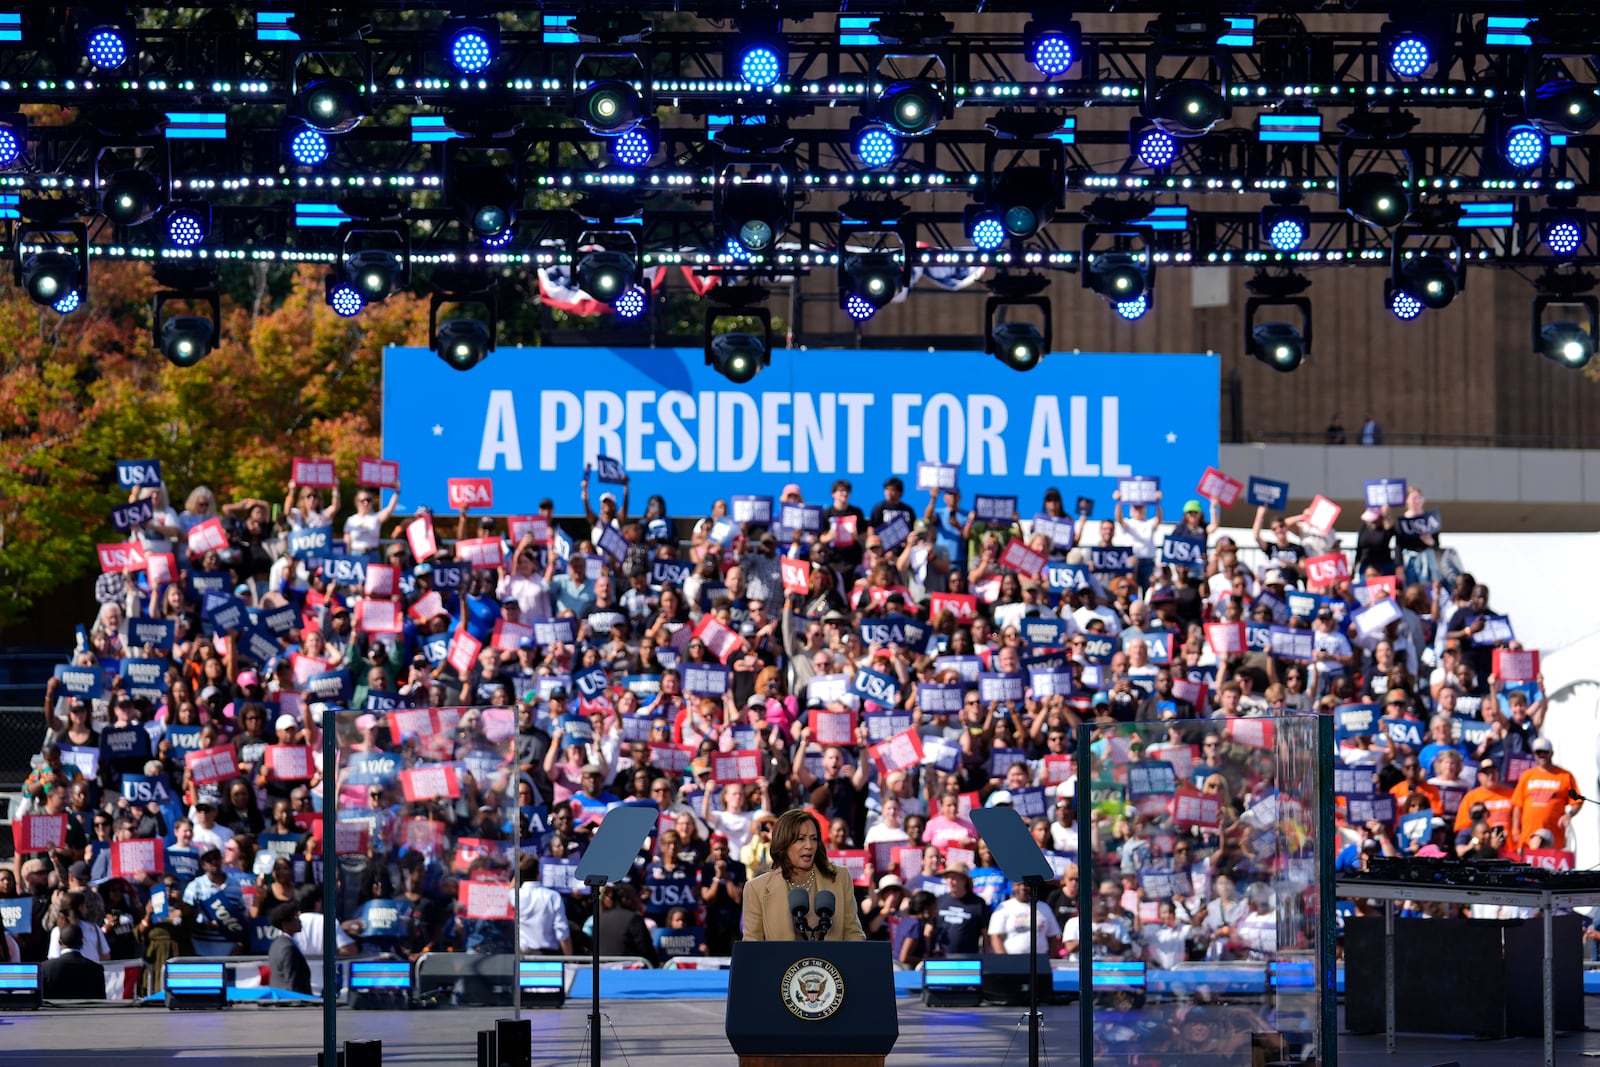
[(827, 1027)]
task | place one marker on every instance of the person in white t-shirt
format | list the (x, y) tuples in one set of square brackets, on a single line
[(1166, 940), (1141, 531), (208, 833), (1008, 925), (733, 820), (302, 507), (362, 530)]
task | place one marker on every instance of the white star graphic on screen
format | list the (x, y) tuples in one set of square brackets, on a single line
[(1172, 438), (438, 431)]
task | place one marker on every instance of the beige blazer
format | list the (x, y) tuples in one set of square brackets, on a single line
[(766, 908)]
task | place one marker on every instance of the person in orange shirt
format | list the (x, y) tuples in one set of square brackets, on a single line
[(1416, 781), (1542, 799), (1488, 792)]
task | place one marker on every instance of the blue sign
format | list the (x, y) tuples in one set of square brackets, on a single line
[(882, 689), (85, 683), (154, 633), (1184, 550), (126, 516), (1266, 493), (1077, 417), (135, 473), (145, 678), (1114, 560), (330, 687)]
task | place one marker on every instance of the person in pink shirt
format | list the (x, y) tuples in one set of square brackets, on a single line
[(949, 827)]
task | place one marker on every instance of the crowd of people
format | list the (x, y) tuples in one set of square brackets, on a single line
[(490, 697)]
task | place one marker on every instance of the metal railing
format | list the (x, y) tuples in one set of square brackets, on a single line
[(1352, 439)]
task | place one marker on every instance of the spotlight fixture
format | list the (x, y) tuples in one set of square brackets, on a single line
[(131, 197), (1027, 198), (374, 271), (471, 44), (737, 353), (1402, 305), (609, 108), (486, 196), (188, 222), (633, 148), (633, 302), (343, 295), (1569, 340), (1117, 276), (185, 339), (872, 143), (1283, 346), (463, 343), (1133, 310), (984, 227), (606, 274), (753, 207), (13, 138), (1286, 226), (1152, 146), (868, 281), (1187, 108), (1407, 52), (761, 63), (49, 276), (1019, 344), (910, 108), (1523, 145), (1563, 230), (1426, 276), (331, 105), (1051, 47), (1376, 198), (308, 147), (1565, 106), (68, 304), (107, 45)]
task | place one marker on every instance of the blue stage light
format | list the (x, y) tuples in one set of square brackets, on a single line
[(68, 304), (1155, 148), (1404, 306), (987, 232), (106, 48), (632, 303), (1287, 234), (1525, 145), (633, 148), (309, 147), (10, 146), (345, 300), (185, 227), (1051, 53), (734, 250), (1409, 55), (859, 307), (470, 50), (1133, 310), (1562, 236), (498, 240), (760, 65), (876, 146)]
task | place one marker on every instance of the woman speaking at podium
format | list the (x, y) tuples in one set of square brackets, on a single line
[(800, 864)]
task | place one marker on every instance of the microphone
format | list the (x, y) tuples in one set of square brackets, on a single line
[(825, 906), (799, 904)]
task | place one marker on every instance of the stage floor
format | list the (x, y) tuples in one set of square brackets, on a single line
[(682, 1033)]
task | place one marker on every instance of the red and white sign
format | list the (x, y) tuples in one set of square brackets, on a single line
[(1195, 693), (424, 835), (486, 900), (1058, 769), (1214, 485), (430, 783), (674, 759), (720, 640), (1380, 587), (350, 838), (161, 568), (289, 763), (40, 833), (1191, 809), (136, 858), (419, 535), (314, 473), (471, 492), (1512, 666), (878, 595), (208, 765), (381, 579), (1550, 859), (378, 473), (1022, 559), (1251, 733), (853, 860), (896, 753), (908, 858), (1327, 570), (743, 766), (796, 575), (1322, 514), (844, 530), (987, 589), (508, 636), (379, 617), (427, 606), (1225, 638), (833, 727), (536, 526), (207, 536), (484, 553), (303, 667), (475, 848), (1180, 756), (964, 606), (463, 651), (121, 558)]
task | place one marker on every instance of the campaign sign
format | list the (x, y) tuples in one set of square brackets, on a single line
[(330, 687), (882, 689), (590, 683), (1496, 631), (1184, 550), (1257, 636), (127, 516), (894, 630), (940, 754), (882, 725), (1217, 486), (1225, 638), (121, 558), (1322, 514), (1149, 778), (740, 767), (1370, 621), (803, 517), (150, 633), (137, 473), (1386, 492), (1403, 732), (669, 572), (136, 858), (995, 509), (1044, 632), (469, 493), (939, 698), (1112, 560), (706, 679), (420, 536), (1266, 493), (1099, 648), (1511, 666), (1065, 577), (1364, 808), (225, 612), (534, 526), (85, 683), (258, 644), (1062, 532), (1138, 490), (754, 509), (1355, 720), (893, 533), (144, 678), (1425, 525), (346, 570), (964, 606), (898, 752), (556, 631), (1022, 559), (378, 473), (314, 473), (1303, 605), (993, 687), (936, 475)]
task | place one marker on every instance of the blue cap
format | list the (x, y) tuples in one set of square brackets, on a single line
[(1101, 697)]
